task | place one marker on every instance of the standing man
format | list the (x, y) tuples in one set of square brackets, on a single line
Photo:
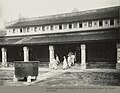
[(73, 59), (54, 64), (65, 65), (69, 61), (57, 59)]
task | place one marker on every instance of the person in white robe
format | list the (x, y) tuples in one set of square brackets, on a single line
[(65, 65), (73, 59), (57, 59), (54, 64), (69, 61)]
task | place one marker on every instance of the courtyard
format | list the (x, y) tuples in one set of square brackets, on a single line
[(68, 77)]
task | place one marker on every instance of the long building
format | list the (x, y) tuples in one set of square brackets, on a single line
[(92, 35)]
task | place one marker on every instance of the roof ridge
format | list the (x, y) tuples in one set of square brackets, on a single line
[(109, 12), (66, 14)]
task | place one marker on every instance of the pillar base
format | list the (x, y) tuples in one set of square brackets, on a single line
[(50, 65), (4, 65), (83, 66), (15, 79), (118, 66)]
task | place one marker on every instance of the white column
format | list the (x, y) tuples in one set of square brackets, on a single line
[(118, 55), (51, 55), (83, 56), (4, 57), (26, 54)]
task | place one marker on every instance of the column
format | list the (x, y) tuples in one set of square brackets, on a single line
[(51, 55), (4, 57), (83, 56), (26, 54), (118, 57)]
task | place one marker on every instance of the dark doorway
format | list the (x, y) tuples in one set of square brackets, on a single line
[(14, 53), (101, 54), (39, 53), (63, 50)]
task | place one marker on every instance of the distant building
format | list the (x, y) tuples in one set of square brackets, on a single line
[(93, 36)]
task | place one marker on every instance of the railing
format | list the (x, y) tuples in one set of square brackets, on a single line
[(62, 31)]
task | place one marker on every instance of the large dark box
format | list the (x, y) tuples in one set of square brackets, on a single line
[(25, 69)]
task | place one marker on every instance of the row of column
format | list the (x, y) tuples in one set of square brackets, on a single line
[(4, 55), (51, 55), (83, 55)]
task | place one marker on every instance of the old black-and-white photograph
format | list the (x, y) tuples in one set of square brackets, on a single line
[(59, 43)]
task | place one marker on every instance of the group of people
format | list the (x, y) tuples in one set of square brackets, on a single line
[(67, 63)]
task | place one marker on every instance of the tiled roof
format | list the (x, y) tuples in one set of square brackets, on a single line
[(111, 34), (110, 12)]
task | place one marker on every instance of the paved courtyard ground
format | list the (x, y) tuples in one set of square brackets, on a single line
[(88, 78), (6, 78), (69, 77)]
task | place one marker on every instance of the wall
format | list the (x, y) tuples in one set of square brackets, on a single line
[(101, 55)]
